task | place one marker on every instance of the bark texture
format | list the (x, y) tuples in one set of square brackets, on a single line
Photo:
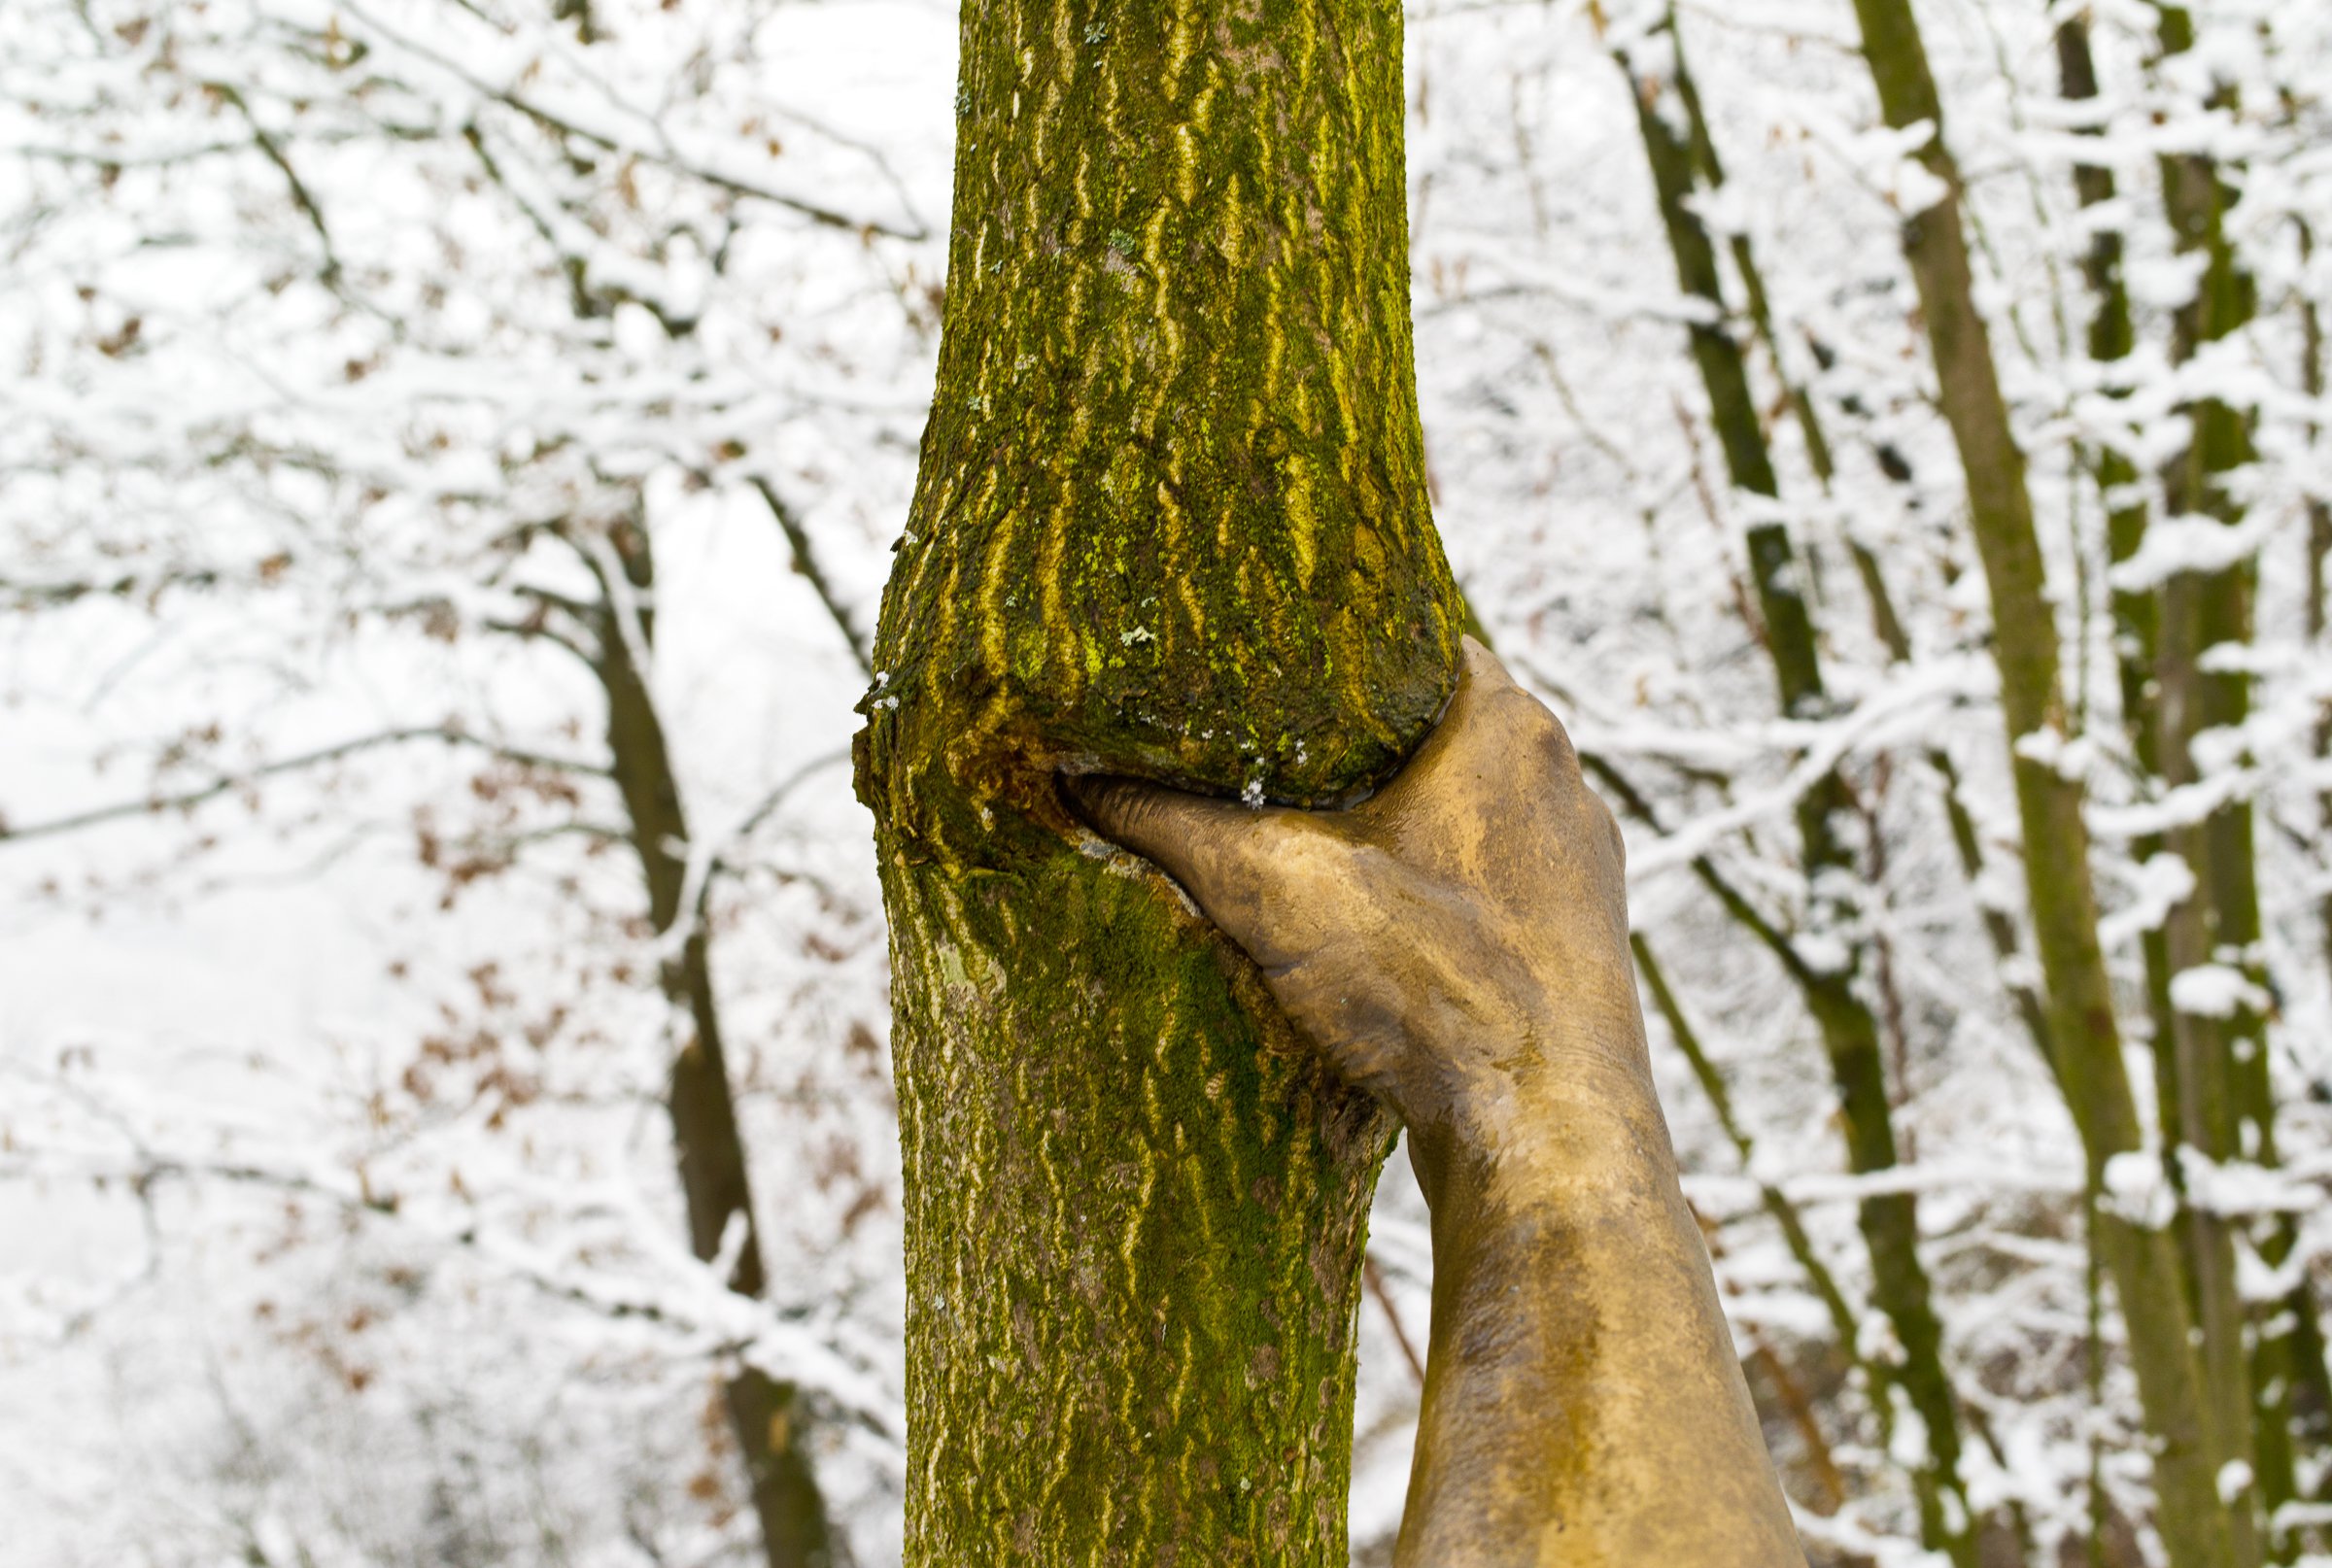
[(1171, 522)]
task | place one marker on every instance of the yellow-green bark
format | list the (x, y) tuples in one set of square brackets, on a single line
[(1170, 520)]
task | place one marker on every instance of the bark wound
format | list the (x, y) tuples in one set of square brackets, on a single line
[(1171, 521)]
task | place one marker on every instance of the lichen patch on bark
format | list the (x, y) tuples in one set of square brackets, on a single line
[(1171, 521)]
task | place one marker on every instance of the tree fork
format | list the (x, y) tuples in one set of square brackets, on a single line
[(1170, 521)]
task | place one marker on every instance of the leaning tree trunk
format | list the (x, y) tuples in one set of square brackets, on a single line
[(1171, 521)]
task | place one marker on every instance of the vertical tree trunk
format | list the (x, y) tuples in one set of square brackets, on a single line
[(1171, 521), (1850, 1036), (771, 1435), (2110, 337), (2320, 543), (2155, 665), (2146, 652), (2312, 1408), (2194, 1524), (1999, 925), (2228, 1109)]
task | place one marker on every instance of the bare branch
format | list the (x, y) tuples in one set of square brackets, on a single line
[(1736, 903), (663, 155), (226, 782), (805, 561), (301, 197)]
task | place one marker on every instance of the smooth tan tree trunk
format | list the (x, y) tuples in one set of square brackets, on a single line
[(1171, 521)]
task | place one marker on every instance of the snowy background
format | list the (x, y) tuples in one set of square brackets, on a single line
[(337, 1217)]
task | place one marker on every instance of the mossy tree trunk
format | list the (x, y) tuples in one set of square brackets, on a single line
[(1850, 1033), (2194, 1524), (1171, 522)]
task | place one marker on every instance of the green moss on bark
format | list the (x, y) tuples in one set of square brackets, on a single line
[(1171, 521)]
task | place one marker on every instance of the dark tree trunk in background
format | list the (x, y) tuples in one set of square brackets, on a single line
[(1835, 995), (1171, 521), (2197, 1529), (764, 1418)]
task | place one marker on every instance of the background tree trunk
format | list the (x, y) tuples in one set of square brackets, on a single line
[(764, 1416), (1171, 521), (2197, 1529), (1833, 994)]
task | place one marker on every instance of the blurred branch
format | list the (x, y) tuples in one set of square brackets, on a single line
[(657, 151), (146, 1168), (1776, 1202), (805, 561), (785, 787), (301, 197), (226, 782), (1374, 1277), (1736, 903), (28, 595)]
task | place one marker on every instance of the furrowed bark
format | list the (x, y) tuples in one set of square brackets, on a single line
[(1850, 1034), (765, 1417), (1171, 521), (2194, 1524)]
